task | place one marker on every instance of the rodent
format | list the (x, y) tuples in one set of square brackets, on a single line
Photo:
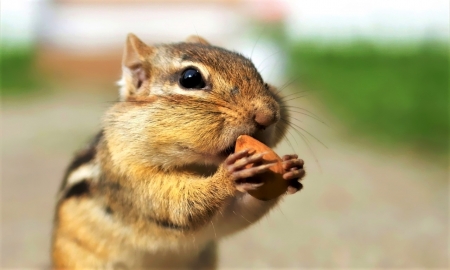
[(160, 185)]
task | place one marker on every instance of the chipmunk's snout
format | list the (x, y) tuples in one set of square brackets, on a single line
[(264, 118)]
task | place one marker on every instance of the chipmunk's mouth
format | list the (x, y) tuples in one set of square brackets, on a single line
[(229, 150)]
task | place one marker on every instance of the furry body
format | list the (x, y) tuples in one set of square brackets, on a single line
[(157, 187)]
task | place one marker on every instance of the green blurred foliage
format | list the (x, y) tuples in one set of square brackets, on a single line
[(17, 72), (395, 93)]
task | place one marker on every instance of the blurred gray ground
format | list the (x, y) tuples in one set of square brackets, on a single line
[(361, 206)]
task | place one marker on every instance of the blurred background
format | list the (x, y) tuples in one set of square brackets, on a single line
[(367, 82)]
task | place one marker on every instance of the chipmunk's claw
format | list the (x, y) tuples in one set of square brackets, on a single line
[(236, 165), (294, 172), (294, 187)]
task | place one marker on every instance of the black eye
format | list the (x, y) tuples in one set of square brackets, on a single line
[(192, 79)]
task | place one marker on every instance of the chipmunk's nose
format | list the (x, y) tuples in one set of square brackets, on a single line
[(265, 118)]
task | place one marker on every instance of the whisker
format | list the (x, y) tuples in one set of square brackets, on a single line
[(193, 240), (296, 93), (309, 134), (278, 207), (256, 42), (313, 117), (284, 86), (305, 139), (214, 229), (276, 64), (299, 108), (259, 65), (294, 98), (195, 28), (242, 217), (287, 140), (296, 119), (295, 140), (308, 144), (220, 212)]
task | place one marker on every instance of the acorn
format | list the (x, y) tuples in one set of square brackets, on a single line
[(274, 184)]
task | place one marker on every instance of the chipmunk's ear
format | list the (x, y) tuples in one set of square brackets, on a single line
[(134, 65), (197, 39)]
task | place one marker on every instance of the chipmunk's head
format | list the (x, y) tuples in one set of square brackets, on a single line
[(187, 103)]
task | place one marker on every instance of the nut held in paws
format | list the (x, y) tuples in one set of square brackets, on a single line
[(274, 185)]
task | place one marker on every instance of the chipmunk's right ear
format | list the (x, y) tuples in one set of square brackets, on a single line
[(197, 39), (134, 65)]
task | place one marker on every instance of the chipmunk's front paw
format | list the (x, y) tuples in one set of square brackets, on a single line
[(236, 164), (294, 172)]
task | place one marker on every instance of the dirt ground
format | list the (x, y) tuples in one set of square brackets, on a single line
[(361, 206)]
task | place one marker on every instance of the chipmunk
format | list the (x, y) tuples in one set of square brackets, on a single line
[(160, 185)]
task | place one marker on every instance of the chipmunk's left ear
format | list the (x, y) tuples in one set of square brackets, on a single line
[(134, 65), (197, 39)]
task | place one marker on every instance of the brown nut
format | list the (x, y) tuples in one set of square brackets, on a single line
[(274, 185)]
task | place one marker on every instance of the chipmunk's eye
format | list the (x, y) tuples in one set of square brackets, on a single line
[(192, 79)]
